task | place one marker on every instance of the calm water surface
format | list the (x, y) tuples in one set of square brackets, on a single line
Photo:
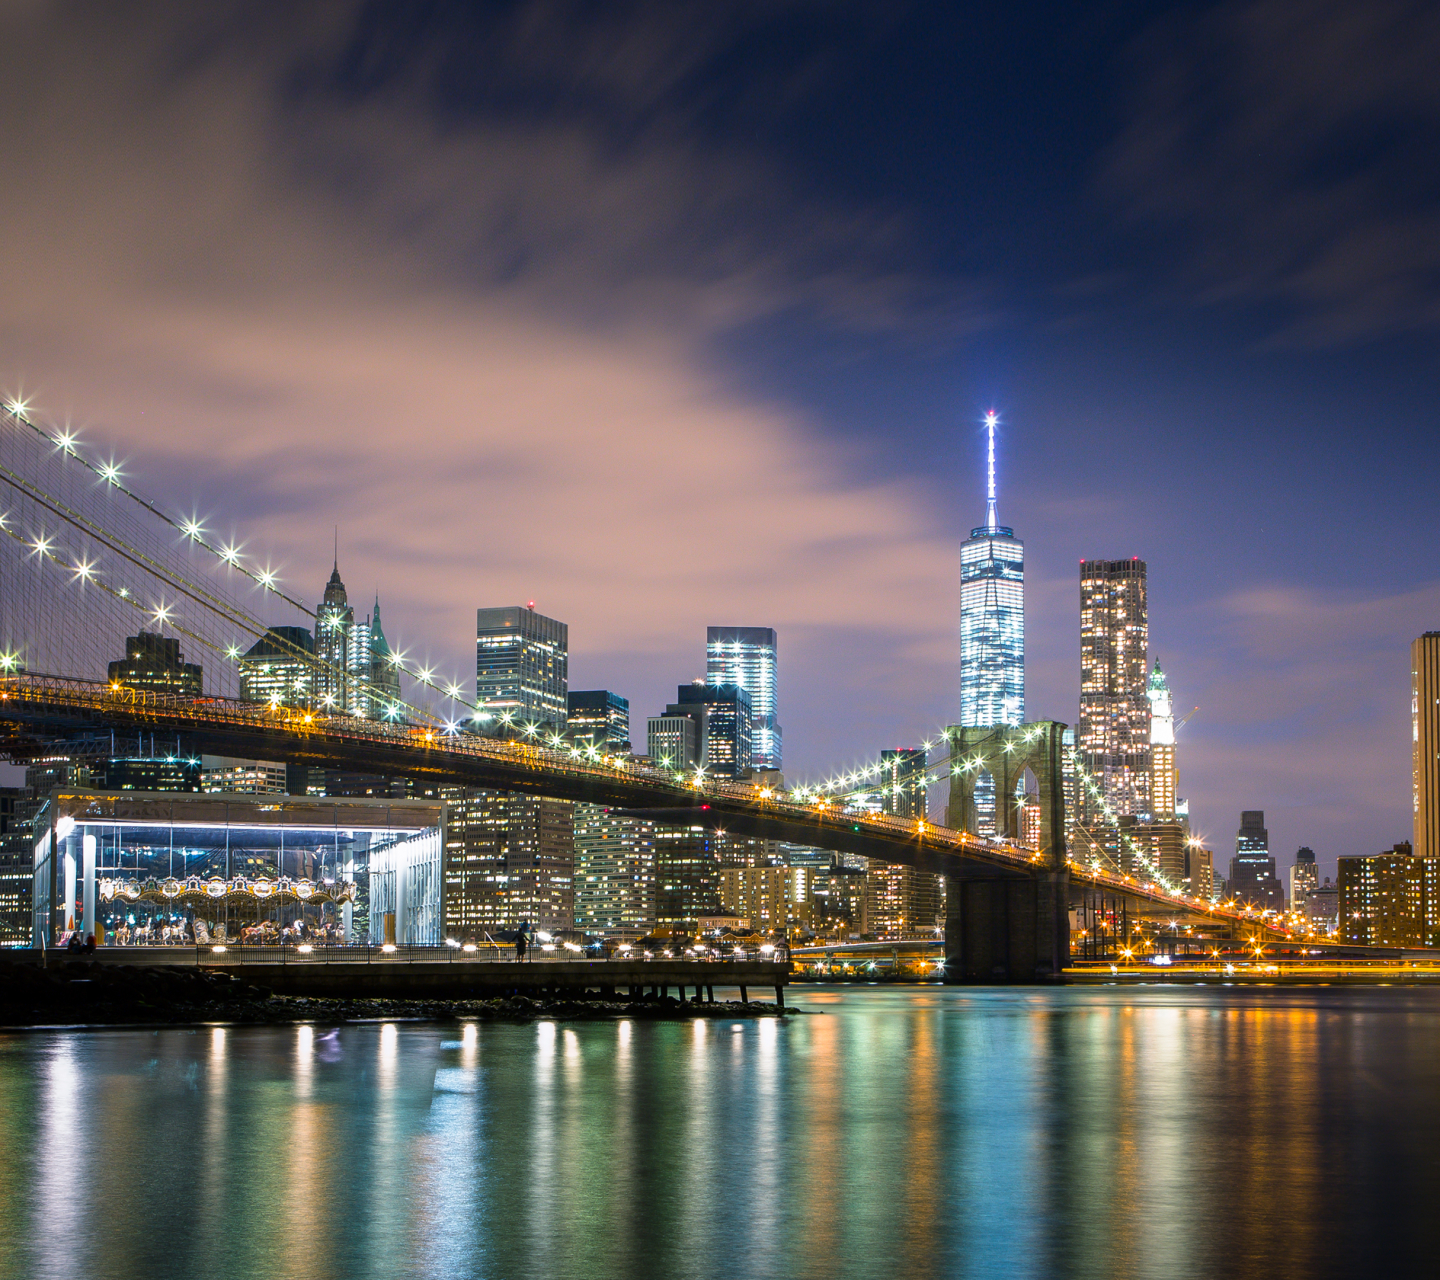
[(892, 1132)]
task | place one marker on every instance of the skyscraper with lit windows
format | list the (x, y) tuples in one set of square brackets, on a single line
[(747, 657), (522, 666), (1115, 706), (992, 615), (992, 628)]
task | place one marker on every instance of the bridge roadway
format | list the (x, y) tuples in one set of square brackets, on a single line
[(36, 710)]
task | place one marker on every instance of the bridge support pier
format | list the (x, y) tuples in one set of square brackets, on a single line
[(1008, 929)]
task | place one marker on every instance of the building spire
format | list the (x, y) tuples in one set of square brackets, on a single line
[(337, 548), (992, 520)]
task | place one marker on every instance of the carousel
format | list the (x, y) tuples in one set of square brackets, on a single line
[(199, 911)]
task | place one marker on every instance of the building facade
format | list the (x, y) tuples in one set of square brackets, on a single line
[(522, 667), (725, 725), (17, 863), (748, 657), (509, 861), (1389, 899), (675, 742), (280, 669), (687, 876), (598, 718), (1425, 742), (1115, 708), (243, 777), (1304, 879), (614, 874)]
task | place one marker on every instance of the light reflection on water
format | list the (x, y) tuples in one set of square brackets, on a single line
[(893, 1132)]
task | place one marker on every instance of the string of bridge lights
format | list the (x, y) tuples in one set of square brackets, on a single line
[(66, 441), (1141, 854)]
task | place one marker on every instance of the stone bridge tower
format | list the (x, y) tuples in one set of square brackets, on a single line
[(1008, 926)]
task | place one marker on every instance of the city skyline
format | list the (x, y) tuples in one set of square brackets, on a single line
[(868, 309)]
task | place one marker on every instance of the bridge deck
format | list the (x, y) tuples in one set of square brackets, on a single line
[(35, 708)]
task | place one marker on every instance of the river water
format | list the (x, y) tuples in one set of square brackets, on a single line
[(887, 1132)]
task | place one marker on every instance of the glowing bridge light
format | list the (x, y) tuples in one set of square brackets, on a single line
[(19, 408), (452, 690), (161, 613), (110, 472), (65, 440), (191, 528), (83, 570), (231, 555), (42, 545), (266, 577)]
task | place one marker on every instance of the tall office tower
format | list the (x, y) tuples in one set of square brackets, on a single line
[(509, 860), (334, 622), (1425, 741), (1114, 692), (687, 873), (1164, 775), (598, 718), (902, 781), (155, 663), (1304, 878), (727, 737), (992, 628), (522, 666), (717, 737), (1252, 869), (614, 874), (381, 672), (279, 668), (747, 656)]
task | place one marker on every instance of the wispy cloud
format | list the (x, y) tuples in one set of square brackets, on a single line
[(1295, 142)]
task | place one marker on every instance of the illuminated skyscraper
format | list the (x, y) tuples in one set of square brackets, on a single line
[(381, 671), (334, 621), (1425, 741), (1115, 708), (992, 616), (522, 661), (747, 657), (992, 628), (1252, 869), (1163, 773)]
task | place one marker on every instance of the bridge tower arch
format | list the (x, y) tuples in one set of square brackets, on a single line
[(1012, 927)]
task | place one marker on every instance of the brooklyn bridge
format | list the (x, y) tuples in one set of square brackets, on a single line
[(87, 560)]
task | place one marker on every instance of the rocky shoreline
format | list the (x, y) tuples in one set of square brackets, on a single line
[(81, 993)]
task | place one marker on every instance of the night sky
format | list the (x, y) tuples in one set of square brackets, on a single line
[(687, 313)]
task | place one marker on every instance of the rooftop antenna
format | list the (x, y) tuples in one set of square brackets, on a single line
[(991, 517), (337, 545)]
